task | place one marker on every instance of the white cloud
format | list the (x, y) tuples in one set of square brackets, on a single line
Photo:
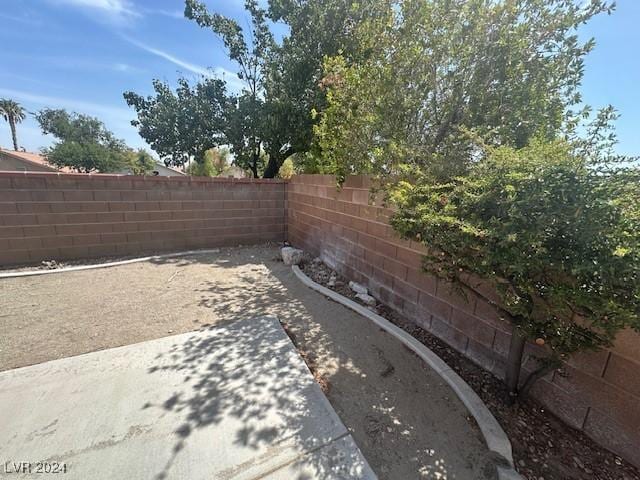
[(177, 14), (191, 67), (233, 82), (114, 10), (120, 11), (111, 6)]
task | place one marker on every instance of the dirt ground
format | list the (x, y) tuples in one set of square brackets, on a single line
[(408, 423), (544, 447)]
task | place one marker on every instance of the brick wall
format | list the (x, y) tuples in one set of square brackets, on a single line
[(599, 394), (67, 216)]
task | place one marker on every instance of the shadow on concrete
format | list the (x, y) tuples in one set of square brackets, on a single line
[(248, 381), (406, 421)]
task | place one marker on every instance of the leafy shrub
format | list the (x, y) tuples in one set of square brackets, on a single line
[(215, 162), (204, 168), (558, 239), (287, 169), (140, 162)]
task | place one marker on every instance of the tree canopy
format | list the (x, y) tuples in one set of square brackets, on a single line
[(427, 71), (184, 124), (270, 118), (215, 163), (470, 113), (140, 162), (82, 142)]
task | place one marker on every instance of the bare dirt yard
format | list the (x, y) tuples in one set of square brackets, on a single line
[(407, 422)]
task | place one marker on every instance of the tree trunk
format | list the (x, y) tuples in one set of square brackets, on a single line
[(275, 162), (255, 157), (14, 136), (535, 376), (514, 364), (272, 168)]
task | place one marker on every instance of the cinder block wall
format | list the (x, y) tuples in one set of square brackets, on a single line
[(600, 393), (46, 216)]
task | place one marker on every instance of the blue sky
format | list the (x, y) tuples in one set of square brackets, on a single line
[(82, 54)]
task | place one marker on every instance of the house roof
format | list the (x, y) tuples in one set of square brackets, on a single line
[(41, 160), (175, 170), (34, 158)]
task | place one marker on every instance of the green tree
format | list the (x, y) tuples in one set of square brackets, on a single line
[(13, 113), (140, 162), (182, 125), (317, 29), (204, 168), (426, 71), (468, 110), (215, 163), (245, 127), (83, 142), (287, 169), (273, 113), (556, 236), (219, 158)]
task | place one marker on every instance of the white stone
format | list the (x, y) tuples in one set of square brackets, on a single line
[(358, 288), (366, 299), (291, 256)]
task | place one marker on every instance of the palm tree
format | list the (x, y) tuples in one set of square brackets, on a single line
[(13, 113)]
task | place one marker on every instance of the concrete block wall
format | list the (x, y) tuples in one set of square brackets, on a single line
[(45, 216), (598, 393)]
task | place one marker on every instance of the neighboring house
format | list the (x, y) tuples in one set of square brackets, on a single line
[(164, 171), (13, 161)]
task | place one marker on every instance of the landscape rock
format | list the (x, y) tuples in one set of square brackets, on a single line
[(366, 299), (358, 288), (291, 256)]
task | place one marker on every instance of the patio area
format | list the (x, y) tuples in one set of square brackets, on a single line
[(406, 421)]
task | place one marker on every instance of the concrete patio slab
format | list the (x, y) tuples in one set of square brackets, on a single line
[(231, 402)]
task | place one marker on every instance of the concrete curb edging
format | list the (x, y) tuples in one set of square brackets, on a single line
[(28, 273), (494, 436)]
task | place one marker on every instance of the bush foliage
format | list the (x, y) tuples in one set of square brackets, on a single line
[(558, 238), (469, 114)]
